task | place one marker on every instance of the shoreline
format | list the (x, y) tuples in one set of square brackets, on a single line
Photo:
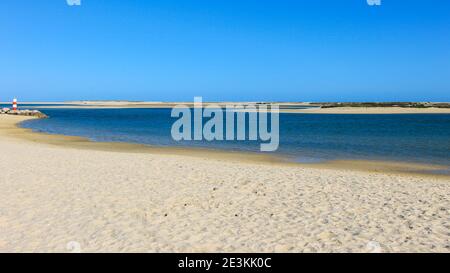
[(370, 111), (288, 108), (76, 142), (370, 166)]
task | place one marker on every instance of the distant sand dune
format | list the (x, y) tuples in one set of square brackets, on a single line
[(284, 107)]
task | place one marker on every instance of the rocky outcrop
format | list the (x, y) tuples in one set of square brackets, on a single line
[(30, 113)]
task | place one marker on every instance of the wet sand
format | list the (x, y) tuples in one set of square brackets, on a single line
[(57, 193)]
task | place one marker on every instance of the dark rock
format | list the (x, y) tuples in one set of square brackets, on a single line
[(28, 113)]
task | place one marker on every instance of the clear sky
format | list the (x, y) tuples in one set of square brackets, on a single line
[(252, 50)]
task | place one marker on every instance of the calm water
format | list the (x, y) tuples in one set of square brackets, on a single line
[(423, 138)]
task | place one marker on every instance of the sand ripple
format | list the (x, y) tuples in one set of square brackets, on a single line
[(107, 201)]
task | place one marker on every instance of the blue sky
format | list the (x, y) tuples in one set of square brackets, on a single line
[(251, 50)]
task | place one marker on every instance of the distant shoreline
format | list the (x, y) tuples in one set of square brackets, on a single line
[(285, 107)]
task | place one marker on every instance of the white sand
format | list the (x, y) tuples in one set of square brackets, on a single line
[(371, 110), (118, 201)]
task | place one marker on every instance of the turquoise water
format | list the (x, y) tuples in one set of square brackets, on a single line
[(421, 138)]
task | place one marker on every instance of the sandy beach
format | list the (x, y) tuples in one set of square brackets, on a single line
[(68, 194), (371, 110)]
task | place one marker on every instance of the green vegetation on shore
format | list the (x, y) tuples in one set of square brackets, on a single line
[(384, 104)]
